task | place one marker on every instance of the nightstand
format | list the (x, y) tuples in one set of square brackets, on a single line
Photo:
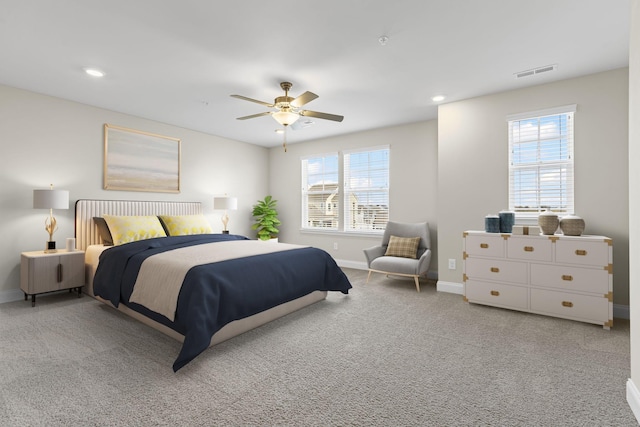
[(42, 272)]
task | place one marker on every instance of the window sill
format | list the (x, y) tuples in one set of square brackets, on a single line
[(375, 235)]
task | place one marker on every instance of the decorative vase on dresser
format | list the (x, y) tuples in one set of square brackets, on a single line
[(561, 276), (572, 225), (548, 222)]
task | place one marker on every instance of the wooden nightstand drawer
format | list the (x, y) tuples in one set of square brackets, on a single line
[(42, 272), (496, 294)]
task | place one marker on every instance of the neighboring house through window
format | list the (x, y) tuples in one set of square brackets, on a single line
[(363, 177), (541, 162)]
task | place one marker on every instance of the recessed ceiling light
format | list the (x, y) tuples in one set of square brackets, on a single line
[(438, 98), (94, 72), (279, 130)]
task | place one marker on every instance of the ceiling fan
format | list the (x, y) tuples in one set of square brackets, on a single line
[(289, 108)]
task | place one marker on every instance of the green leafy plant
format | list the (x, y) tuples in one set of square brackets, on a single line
[(266, 218)]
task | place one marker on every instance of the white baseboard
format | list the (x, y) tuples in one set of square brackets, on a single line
[(11, 295), (352, 264), (621, 311), (633, 398), (450, 287)]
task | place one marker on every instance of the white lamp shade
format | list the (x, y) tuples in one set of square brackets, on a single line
[(285, 118), (50, 199), (225, 203)]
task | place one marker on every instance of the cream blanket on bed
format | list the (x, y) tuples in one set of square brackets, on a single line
[(160, 277)]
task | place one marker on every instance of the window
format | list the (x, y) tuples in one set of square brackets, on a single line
[(360, 180), (366, 189), (320, 192), (541, 162)]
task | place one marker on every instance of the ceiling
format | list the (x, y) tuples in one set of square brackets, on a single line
[(177, 61)]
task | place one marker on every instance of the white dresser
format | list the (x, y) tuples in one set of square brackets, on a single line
[(562, 276)]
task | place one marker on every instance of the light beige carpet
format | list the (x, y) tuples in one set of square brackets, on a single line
[(384, 355)]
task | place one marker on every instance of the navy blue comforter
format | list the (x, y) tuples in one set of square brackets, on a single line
[(215, 294)]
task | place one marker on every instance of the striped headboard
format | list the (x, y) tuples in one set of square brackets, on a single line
[(87, 231)]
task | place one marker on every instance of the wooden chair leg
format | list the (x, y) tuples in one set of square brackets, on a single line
[(417, 280), (368, 275)]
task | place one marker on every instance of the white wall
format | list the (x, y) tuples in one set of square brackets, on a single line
[(473, 170), (633, 386), (413, 178), (48, 140)]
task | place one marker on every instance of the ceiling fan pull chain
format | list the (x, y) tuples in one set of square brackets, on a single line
[(284, 143)]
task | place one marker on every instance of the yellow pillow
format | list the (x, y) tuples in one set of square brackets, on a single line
[(405, 247), (125, 229), (183, 225)]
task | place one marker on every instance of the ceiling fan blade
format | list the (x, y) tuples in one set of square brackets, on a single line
[(324, 116), (253, 116), (303, 99), (268, 104)]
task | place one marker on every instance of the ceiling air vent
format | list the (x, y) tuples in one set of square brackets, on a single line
[(535, 71)]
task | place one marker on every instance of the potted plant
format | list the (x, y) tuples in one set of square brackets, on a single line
[(266, 218)]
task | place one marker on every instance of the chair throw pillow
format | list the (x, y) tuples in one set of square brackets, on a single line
[(406, 247)]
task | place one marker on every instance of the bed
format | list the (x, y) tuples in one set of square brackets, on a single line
[(200, 288)]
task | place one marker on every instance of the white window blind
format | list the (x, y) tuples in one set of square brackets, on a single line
[(320, 196), (366, 189), (541, 162)]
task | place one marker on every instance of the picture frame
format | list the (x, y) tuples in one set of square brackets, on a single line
[(140, 161)]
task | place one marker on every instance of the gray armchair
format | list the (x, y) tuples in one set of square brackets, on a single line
[(401, 266)]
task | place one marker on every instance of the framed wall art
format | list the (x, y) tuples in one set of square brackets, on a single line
[(140, 161)]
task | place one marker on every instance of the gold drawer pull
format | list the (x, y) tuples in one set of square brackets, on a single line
[(567, 277), (484, 245), (528, 248), (567, 304), (495, 270), (495, 293), (581, 252)]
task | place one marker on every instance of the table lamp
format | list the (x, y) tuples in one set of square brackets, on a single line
[(227, 204), (50, 199)]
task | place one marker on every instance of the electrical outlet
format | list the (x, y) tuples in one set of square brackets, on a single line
[(452, 264), (335, 246)]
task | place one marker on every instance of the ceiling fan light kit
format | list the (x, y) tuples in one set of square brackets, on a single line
[(285, 117)]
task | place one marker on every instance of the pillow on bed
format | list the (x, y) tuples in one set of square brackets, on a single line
[(405, 247), (125, 229), (103, 230), (182, 225)]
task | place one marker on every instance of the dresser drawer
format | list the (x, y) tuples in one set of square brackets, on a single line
[(497, 294), (496, 270), (584, 253), (489, 245), (570, 306), (570, 278), (529, 248)]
